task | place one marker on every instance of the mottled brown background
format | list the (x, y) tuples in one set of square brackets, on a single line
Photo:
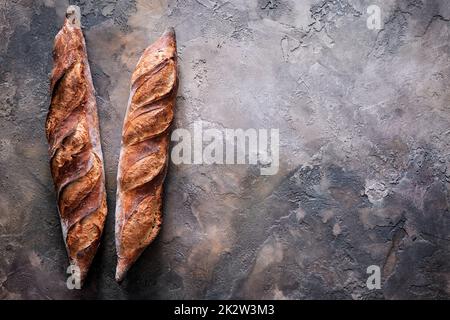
[(364, 161)]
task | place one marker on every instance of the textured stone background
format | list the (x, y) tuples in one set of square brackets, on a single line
[(365, 149)]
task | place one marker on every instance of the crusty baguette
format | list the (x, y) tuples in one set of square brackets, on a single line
[(76, 159), (144, 152)]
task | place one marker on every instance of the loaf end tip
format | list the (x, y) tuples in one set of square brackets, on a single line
[(121, 269), (169, 32)]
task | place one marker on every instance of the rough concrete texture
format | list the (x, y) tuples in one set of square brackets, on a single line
[(364, 125)]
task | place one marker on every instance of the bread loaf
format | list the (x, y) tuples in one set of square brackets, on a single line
[(144, 151), (76, 159)]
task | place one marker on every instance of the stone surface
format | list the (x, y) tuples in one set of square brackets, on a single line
[(364, 158)]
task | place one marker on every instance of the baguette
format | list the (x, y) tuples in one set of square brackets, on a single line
[(76, 159), (144, 151)]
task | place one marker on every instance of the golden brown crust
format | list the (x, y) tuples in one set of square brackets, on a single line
[(144, 153), (76, 159)]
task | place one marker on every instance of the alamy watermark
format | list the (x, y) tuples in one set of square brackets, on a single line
[(374, 280), (373, 22), (227, 146), (74, 279)]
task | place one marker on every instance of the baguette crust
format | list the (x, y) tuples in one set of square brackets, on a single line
[(144, 153), (76, 158)]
